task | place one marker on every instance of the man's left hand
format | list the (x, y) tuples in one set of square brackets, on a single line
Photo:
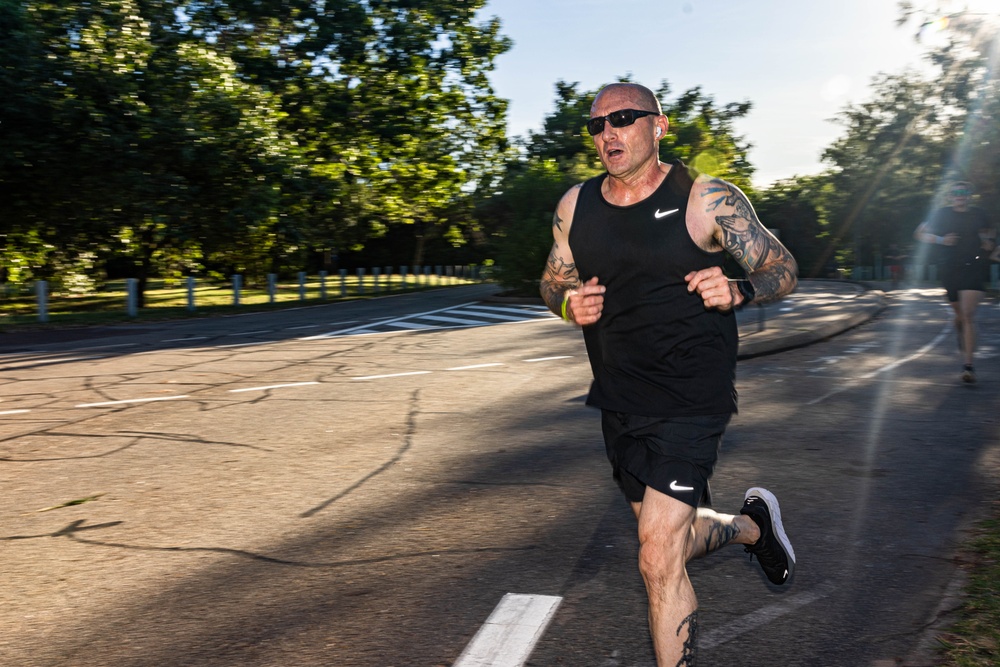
[(713, 287)]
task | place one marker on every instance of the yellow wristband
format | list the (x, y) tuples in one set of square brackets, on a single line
[(565, 301)]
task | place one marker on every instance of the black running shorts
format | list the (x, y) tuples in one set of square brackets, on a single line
[(676, 456), (962, 277)]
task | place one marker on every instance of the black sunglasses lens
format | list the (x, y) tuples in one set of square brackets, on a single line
[(621, 118), (595, 125)]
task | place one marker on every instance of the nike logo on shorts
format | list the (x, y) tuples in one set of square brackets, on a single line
[(674, 486)]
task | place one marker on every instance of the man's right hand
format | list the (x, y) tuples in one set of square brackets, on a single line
[(586, 303)]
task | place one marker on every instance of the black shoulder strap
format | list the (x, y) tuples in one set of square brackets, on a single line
[(682, 175)]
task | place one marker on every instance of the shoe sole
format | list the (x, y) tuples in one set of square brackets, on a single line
[(779, 530)]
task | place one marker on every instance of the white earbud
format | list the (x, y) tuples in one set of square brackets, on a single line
[(658, 131)]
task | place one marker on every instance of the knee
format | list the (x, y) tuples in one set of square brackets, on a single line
[(661, 560)]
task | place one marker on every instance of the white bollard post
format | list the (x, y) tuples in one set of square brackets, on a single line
[(302, 285), (190, 291), (322, 285), (272, 286)]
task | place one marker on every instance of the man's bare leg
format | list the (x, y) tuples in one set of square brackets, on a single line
[(670, 534), (965, 310)]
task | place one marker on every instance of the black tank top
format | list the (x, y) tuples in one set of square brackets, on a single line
[(656, 350)]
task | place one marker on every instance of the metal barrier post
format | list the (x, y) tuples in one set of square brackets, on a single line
[(132, 297), (42, 297)]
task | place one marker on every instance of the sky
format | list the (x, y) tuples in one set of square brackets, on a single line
[(800, 62)]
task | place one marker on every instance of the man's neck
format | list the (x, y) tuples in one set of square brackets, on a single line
[(628, 189)]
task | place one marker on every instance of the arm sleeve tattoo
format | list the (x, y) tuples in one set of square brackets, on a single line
[(559, 274), (771, 268)]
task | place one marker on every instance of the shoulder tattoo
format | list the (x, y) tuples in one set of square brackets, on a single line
[(743, 236)]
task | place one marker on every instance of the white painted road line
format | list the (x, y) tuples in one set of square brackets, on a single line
[(410, 325), (754, 620), (273, 386), (469, 368), (451, 320), (516, 311), (131, 400), (364, 328), (391, 375), (533, 361), (492, 316), (887, 367), (183, 340), (511, 632)]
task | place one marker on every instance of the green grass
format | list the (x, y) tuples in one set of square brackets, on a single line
[(974, 640), (165, 301)]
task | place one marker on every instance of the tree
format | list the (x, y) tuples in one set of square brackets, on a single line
[(796, 209), (238, 132), (153, 141), (388, 100), (902, 146), (704, 136), (887, 165)]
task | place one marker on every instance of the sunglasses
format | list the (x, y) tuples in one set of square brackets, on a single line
[(620, 118)]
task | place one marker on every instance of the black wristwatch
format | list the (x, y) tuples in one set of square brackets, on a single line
[(746, 289)]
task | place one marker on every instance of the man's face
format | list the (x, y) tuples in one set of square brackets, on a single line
[(623, 150), (960, 196)]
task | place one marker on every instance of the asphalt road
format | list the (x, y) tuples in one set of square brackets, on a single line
[(331, 486)]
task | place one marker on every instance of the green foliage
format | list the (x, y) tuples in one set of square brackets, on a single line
[(525, 213), (243, 133), (704, 136), (902, 146), (795, 209)]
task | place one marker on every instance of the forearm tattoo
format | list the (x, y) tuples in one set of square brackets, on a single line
[(690, 653), (559, 275), (770, 266)]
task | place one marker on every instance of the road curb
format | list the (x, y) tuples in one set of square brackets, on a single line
[(863, 308)]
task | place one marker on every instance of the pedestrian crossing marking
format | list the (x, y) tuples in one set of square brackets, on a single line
[(463, 315)]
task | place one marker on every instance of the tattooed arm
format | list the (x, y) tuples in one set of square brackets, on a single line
[(560, 279), (722, 217)]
